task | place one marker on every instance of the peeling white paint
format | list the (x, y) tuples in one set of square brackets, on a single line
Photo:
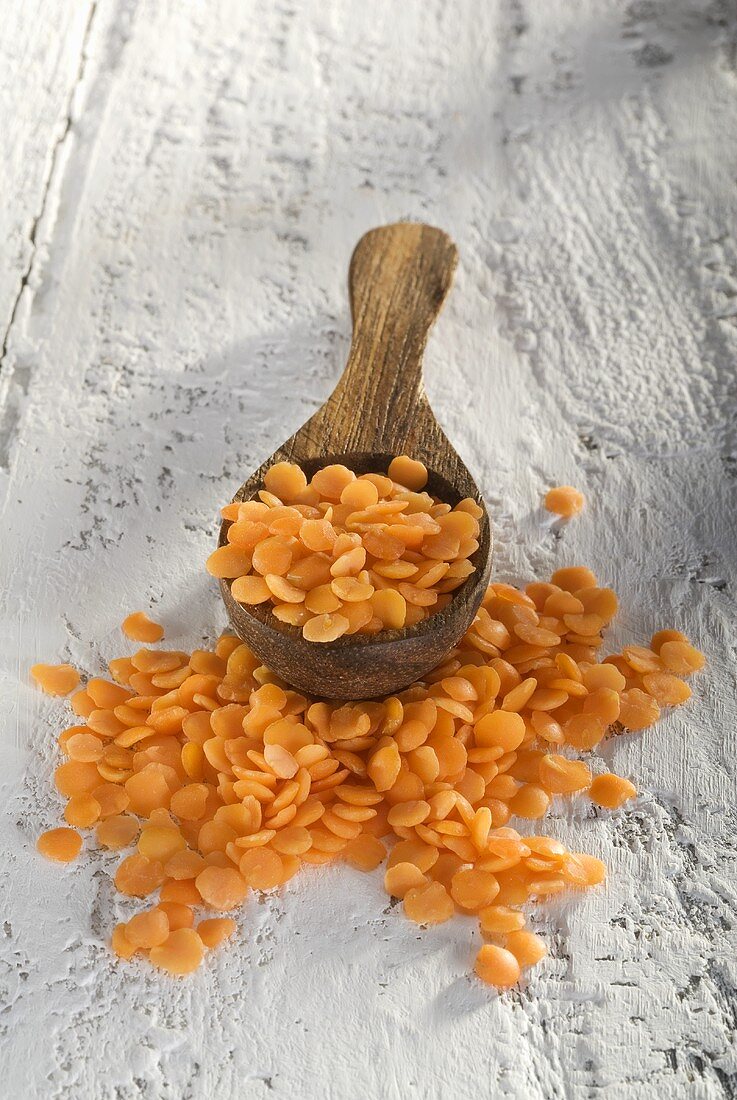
[(182, 308)]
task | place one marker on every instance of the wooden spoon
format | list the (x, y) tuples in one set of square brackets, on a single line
[(399, 277)]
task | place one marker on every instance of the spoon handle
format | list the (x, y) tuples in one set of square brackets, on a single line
[(399, 277)]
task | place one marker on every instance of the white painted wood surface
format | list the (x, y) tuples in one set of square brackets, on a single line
[(183, 184)]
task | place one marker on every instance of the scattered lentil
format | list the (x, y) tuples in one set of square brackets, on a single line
[(55, 679), (496, 966), (61, 845), (564, 500), (216, 930), (611, 791), (139, 628), (233, 781)]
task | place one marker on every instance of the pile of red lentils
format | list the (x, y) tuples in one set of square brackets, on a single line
[(346, 554), (217, 779)]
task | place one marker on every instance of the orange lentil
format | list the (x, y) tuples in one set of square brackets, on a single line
[(497, 966), (499, 728), (603, 704), (565, 501), (177, 914), (286, 481), (180, 953), (117, 831), (216, 930), (314, 571), (424, 856), (261, 868), (160, 843), (85, 747), (526, 947), (184, 864), (384, 766), (233, 780), (60, 845), (250, 590), (599, 601), (584, 731), (221, 887), (183, 892), (641, 659), (666, 689), (138, 876), (428, 904), (120, 943), (190, 801), (604, 676), (76, 777), (573, 578), (501, 919), (681, 657), (140, 628), (325, 628), (638, 710), (562, 776), (473, 889), (292, 840), (365, 852), (82, 810), (611, 791), (662, 636), (148, 929), (402, 877), (55, 679), (516, 699), (593, 868), (82, 703), (530, 802)]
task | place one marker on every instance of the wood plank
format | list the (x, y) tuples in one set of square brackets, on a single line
[(189, 310)]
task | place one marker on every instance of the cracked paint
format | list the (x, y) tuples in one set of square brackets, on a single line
[(175, 305)]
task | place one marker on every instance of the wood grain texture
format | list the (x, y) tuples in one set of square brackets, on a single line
[(186, 311), (42, 58), (399, 277)]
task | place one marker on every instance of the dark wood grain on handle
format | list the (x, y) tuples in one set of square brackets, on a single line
[(399, 277)]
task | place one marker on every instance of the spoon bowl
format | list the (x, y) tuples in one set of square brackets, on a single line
[(399, 277)]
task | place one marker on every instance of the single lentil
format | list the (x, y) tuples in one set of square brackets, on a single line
[(55, 679), (611, 791), (564, 500), (60, 845), (496, 966), (216, 930), (140, 628)]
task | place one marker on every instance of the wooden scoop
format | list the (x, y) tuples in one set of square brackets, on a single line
[(399, 277)]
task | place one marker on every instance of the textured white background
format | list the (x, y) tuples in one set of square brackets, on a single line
[(181, 186)]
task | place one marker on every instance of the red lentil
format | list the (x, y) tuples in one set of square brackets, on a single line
[(216, 930), (180, 953), (346, 554), (429, 904), (611, 791), (140, 628), (526, 947), (149, 929), (496, 966), (564, 500), (55, 679), (230, 781), (61, 845)]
